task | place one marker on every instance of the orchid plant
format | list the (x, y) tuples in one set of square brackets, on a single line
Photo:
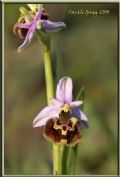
[(63, 119)]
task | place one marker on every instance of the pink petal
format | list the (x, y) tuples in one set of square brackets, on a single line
[(53, 26), (47, 113), (28, 38), (75, 104), (42, 122), (38, 14), (83, 117), (64, 90), (56, 102), (24, 25)]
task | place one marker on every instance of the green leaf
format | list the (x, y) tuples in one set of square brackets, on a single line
[(72, 161), (65, 159), (81, 96)]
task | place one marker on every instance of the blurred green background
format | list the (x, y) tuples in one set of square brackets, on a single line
[(87, 51)]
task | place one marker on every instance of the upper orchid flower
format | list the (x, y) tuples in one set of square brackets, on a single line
[(37, 20), (63, 115)]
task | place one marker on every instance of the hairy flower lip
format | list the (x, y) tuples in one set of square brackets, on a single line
[(64, 133), (63, 96)]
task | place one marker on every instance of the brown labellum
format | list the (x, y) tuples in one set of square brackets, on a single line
[(63, 131)]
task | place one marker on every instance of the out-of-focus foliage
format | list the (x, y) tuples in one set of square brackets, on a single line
[(88, 52)]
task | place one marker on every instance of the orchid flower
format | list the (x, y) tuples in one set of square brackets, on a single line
[(64, 114), (39, 22)]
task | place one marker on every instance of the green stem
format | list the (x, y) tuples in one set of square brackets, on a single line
[(48, 76), (56, 159), (50, 93)]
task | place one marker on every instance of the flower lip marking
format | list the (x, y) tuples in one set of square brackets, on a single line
[(62, 132)]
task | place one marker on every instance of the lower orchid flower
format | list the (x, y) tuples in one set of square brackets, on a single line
[(35, 22), (63, 120)]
